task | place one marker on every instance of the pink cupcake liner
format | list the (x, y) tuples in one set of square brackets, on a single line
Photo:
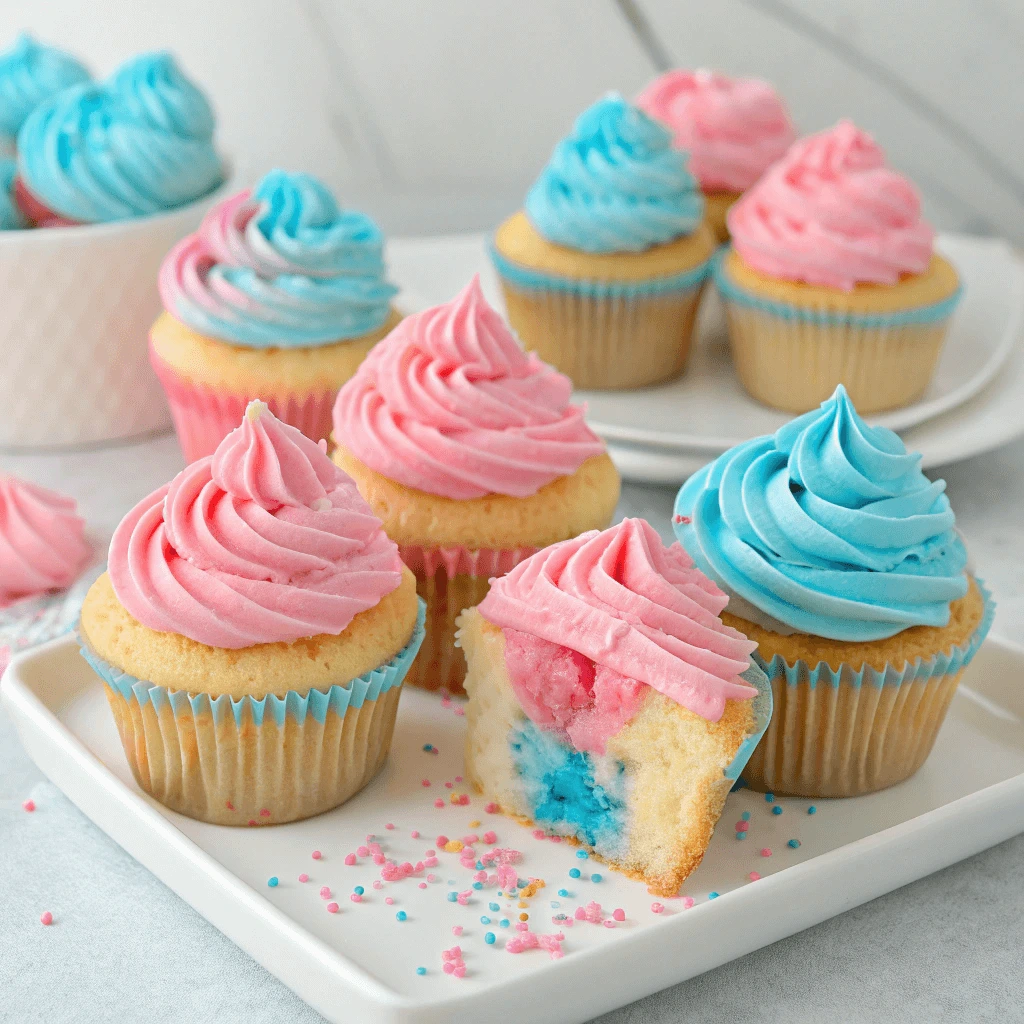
[(203, 416), (461, 561)]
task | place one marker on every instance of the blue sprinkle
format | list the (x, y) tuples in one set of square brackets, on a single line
[(421, 971), (812, 809), (555, 904), (485, 919), (272, 882), (520, 884), (595, 878), (493, 906), (489, 938), (453, 897), (582, 854), (359, 890), (479, 865), (776, 809), (574, 872), (563, 892), (769, 798), (503, 922), (478, 885), (745, 815), (712, 895), (401, 915), (794, 843), (741, 835), (428, 747)]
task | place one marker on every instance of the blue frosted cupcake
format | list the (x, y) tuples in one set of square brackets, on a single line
[(603, 269), (841, 560)]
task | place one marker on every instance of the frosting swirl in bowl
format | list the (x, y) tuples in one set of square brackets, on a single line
[(733, 128), (31, 73), (42, 540), (615, 184), (629, 604), (832, 213), (264, 541), (140, 144), (449, 403), (280, 266), (829, 527)]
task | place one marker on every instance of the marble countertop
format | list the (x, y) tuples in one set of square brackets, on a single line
[(940, 949)]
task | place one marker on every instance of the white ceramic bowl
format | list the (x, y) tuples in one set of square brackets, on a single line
[(76, 305)]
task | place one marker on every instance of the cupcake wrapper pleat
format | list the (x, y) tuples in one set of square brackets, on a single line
[(257, 760), (845, 732), (450, 580)]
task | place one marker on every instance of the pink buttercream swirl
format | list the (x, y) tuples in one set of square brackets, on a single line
[(42, 540), (733, 128), (264, 541), (449, 403), (831, 213), (641, 613)]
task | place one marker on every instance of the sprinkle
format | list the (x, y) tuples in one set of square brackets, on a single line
[(769, 798), (532, 940), (681, 519), (389, 826), (431, 878), (742, 826), (456, 930), (421, 971), (355, 897), (491, 808), (428, 747), (401, 915), (812, 809), (489, 938), (29, 805), (453, 897), (389, 900), (422, 885), (425, 783), (777, 809), (539, 833), (524, 917), (317, 855), (379, 858), (452, 962), (608, 923), (745, 815), (712, 895), (582, 854), (439, 802), (574, 872), (741, 835), (378, 884), (478, 885), (793, 844), (415, 834), (688, 902), (619, 914), (359, 890), (458, 778), (448, 785), (46, 917), (332, 908), (563, 892), (325, 893), (595, 877), (657, 908), (493, 907), (264, 813), (227, 803), (452, 846), (766, 852), (504, 922), (490, 838), (350, 859), (272, 881), (252, 821), (754, 876), (474, 824), (303, 877)]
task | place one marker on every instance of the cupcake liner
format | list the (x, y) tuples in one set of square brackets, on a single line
[(716, 209), (845, 732), (763, 706), (793, 358), (604, 334), (257, 761), (203, 415), (450, 580)]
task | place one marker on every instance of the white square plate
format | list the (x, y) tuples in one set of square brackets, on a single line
[(360, 964)]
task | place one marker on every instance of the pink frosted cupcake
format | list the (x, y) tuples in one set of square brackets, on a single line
[(278, 296), (733, 129), (470, 452)]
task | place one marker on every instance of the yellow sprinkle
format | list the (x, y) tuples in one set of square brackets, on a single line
[(523, 904), (533, 888), (474, 824), (452, 846), (524, 917)]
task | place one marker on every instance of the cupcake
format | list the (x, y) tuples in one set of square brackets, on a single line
[(470, 452), (841, 560), (139, 144), (30, 74), (603, 269), (733, 129), (252, 632), (832, 278), (279, 295), (609, 703)]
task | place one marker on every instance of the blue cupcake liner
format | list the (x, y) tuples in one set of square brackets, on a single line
[(731, 292), (535, 280), (763, 707), (945, 663), (316, 703)]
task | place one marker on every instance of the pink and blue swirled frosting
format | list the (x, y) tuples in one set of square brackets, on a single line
[(138, 144), (828, 527), (615, 184), (30, 73), (281, 266)]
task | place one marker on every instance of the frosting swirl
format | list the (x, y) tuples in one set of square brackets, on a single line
[(628, 603), (615, 184), (280, 266), (831, 213), (42, 540), (829, 527), (31, 73), (11, 217), (450, 404), (733, 128), (140, 144), (264, 541)]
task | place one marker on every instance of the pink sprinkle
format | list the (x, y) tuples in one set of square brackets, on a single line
[(439, 802), (430, 862), (389, 900), (555, 839), (619, 914), (350, 859), (459, 710), (539, 833), (264, 813), (377, 884), (471, 839), (229, 805), (568, 922), (423, 885), (425, 783), (464, 800), (766, 852), (431, 878), (363, 851), (456, 930), (491, 808), (682, 519), (333, 908), (754, 876), (448, 785), (441, 842), (581, 914), (480, 876), (369, 838), (458, 778), (325, 893), (303, 877), (687, 902), (452, 962), (742, 826), (522, 926), (355, 897), (317, 855), (379, 858), (657, 908), (608, 923), (532, 940), (374, 847), (252, 821), (490, 838), (29, 805), (415, 833), (46, 917), (389, 827), (430, 853)]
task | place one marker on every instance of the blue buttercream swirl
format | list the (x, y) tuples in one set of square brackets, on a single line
[(31, 73), (828, 526), (615, 184), (10, 215), (139, 144), (283, 266)]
